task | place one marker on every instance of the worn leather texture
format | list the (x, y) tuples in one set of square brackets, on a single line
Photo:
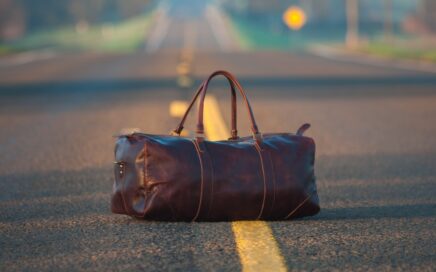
[(175, 178)]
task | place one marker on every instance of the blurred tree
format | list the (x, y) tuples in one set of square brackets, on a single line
[(20, 16), (12, 20), (429, 14), (46, 13)]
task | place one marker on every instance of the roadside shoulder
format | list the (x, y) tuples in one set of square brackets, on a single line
[(333, 53)]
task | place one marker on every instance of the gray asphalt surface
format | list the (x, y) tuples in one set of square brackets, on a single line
[(376, 161)]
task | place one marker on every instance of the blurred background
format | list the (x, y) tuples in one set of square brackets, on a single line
[(395, 28), (75, 72)]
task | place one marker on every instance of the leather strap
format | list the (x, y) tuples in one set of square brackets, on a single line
[(202, 90), (230, 77), (180, 127), (268, 182), (234, 131), (207, 180)]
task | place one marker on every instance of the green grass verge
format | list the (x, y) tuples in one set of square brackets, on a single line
[(125, 36), (5, 50), (399, 52), (252, 37)]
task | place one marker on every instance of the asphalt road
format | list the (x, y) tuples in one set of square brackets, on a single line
[(376, 160)]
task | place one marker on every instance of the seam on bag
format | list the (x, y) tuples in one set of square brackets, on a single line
[(145, 167), (264, 181), (298, 207), (122, 188), (145, 175), (211, 185), (274, 184), (122, 191), (197, 149)]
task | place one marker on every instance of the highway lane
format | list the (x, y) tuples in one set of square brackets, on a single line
[(376, 157), (56, 178), (375, 162)]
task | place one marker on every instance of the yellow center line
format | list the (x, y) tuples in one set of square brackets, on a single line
[(257, 247), (178, 108), (214, 125)]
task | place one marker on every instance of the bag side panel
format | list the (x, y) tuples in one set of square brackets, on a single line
[(127, 195), (295, 191), (172, 179), (237, 182)]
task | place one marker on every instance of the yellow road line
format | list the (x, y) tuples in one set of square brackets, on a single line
[(214, 125), (257, 247), (178, 108)]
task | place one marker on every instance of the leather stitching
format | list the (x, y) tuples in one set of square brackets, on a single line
[(122, 190), (145, 173), (264, 181), (273, 176), (298, 207), (211, 185), (197, 149), (122, 187)]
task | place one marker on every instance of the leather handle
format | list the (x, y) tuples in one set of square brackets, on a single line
[(234, 132), (203, 91)]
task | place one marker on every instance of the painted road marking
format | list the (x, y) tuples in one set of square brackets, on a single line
[(257, 247), (219, 28), (184, 81), (184, 68), (190, 36), (27, 57), (178, 108), (214, 125), (160, 30)]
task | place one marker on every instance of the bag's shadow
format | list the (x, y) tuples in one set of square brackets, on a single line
[(376, 212)]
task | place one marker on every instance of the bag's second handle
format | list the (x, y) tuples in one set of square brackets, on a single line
[(203, 90), (234, 132)]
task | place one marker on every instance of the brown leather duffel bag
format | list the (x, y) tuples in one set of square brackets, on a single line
[(174, 178)]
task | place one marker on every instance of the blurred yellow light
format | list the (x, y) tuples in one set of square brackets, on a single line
[(294, 18)]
